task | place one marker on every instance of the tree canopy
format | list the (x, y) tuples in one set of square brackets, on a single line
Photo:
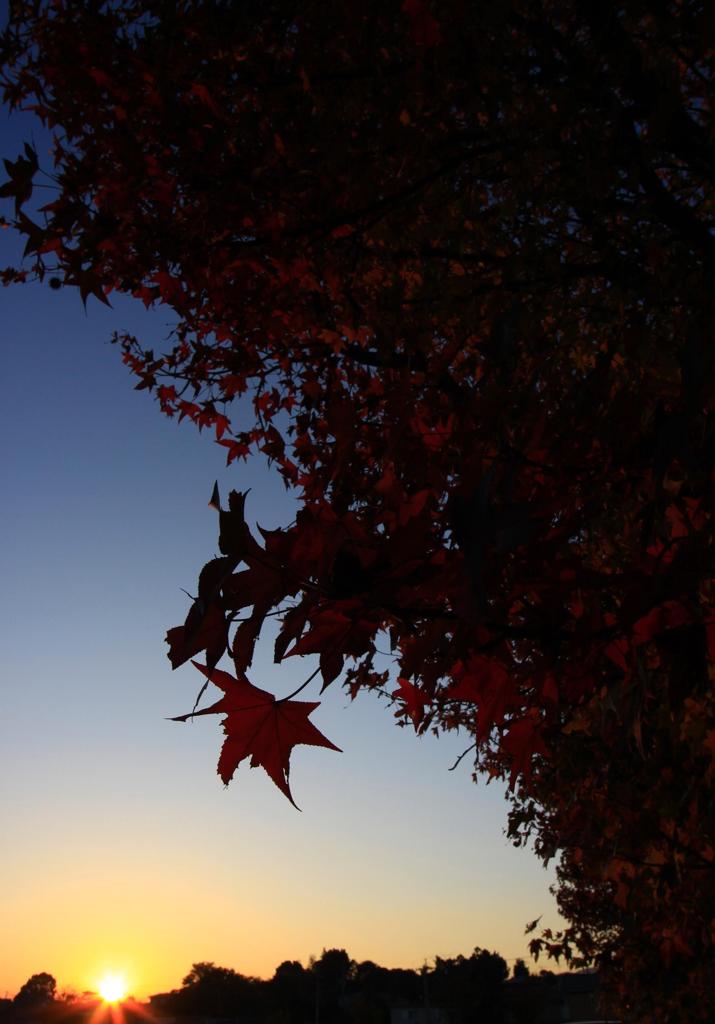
[(450, 267), (39, 990), (336, 989)]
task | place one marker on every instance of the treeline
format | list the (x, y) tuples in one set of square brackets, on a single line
[(331, 989), (336, 988)]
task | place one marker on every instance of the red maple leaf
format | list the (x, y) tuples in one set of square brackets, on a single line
[(328, 627), (259, 726), (414, 701), (488, 684), (205, 629), (521, 741)]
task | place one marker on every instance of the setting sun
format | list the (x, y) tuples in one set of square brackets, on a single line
[(112, 988)]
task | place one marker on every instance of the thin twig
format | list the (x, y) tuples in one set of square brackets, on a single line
[(464, 754)]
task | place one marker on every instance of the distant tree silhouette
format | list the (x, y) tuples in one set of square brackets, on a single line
[(387, 985), (209, 990), (375, 990), (527, 996), (291, 993), (334, 989), (332, 971), (205, 972), (471, 986), (39, 990)]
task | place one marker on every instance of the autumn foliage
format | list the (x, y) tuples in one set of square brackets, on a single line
[(450, 267)]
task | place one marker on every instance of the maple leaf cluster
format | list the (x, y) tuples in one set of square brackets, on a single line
[(451, 269)]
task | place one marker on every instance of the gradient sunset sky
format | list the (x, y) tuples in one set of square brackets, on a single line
[(120, 848)]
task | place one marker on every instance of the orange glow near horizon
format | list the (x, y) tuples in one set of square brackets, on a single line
[(151, 937)]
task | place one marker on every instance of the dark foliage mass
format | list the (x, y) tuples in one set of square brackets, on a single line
[(335, 989), (39, 990), (450, 267)]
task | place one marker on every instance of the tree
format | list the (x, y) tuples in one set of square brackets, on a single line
[(292, 993), (210, 990), (375, 991), (471, 986), (39, 990), (332, 971), (451, 269)]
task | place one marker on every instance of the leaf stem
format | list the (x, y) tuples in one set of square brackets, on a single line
[(311, 677)]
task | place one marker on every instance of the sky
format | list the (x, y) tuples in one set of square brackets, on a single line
[(120, 847)]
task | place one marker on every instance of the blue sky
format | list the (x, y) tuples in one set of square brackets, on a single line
[(121, 848)]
